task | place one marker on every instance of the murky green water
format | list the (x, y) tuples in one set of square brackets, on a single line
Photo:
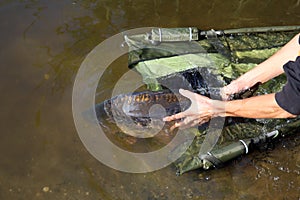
[(42, 46)]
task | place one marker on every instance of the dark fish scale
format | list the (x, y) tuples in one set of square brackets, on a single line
[(137, 105)]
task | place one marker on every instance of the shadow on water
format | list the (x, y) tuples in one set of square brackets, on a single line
[(43, 44)]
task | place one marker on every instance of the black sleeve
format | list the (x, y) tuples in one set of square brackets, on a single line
[(289, 97)]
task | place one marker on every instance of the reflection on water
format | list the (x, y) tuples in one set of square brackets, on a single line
[(43, 44)]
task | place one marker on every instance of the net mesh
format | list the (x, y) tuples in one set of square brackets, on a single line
[(214, 60)]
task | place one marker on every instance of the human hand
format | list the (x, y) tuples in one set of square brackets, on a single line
[(202, 109), (230, 89), (235, 90)]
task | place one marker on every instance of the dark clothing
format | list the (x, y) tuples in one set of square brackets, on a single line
[(289, 97)]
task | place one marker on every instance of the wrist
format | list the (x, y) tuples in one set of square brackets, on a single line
[(227, 108), (218, 108)]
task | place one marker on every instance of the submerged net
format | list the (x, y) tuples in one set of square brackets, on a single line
[(189, 58)]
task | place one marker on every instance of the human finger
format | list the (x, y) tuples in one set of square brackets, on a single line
[(175, 117), (186, 122), (174, 126), (193, 121)]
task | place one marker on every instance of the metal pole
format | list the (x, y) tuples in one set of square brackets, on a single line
[(254, 30)]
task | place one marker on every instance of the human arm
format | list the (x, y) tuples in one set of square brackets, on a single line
[(266, 70), (264, 106), (203, 109)]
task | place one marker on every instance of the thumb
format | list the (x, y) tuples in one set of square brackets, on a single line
[(187, 93)]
